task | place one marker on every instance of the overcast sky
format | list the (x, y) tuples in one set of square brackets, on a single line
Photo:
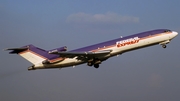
[(149, 74)]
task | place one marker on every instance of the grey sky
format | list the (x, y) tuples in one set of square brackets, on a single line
[(149, 74)]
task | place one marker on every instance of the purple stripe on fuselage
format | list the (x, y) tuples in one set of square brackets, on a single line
[(113, 42)]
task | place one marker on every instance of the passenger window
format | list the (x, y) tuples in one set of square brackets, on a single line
[(167, 31)]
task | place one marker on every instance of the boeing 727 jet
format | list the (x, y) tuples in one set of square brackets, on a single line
[(92, 55)]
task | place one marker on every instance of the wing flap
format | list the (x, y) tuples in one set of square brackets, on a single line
[(82, 55)]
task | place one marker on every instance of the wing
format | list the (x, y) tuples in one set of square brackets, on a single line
[(82, 55)]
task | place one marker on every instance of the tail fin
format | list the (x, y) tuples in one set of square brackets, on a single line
[(33, 54)]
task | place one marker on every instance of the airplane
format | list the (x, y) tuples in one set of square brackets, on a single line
[(93, 55)]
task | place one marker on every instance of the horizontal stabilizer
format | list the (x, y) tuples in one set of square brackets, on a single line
[(16, 50)]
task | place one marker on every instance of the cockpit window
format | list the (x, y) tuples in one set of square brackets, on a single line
[(167, 31)]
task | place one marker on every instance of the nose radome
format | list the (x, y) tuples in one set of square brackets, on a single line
[(175, 33)]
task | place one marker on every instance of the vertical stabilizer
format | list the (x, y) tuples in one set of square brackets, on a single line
[(31, 53), (37, 55)]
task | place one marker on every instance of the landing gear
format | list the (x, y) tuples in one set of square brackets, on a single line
[(164, 46), (90, 64), (96, 65), (94, 62)]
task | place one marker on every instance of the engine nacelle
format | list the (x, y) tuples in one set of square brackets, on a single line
[(46, 62), (52, 61), (61, 49)]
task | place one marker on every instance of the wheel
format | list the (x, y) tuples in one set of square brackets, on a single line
[(89, 63), (164, 46), (96, 65)]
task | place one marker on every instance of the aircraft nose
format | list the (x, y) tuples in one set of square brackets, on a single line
[(175, 33)]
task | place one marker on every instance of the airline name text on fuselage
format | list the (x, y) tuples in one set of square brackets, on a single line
[(127, 42)]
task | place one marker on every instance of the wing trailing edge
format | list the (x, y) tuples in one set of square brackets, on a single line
[(82, 54)]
